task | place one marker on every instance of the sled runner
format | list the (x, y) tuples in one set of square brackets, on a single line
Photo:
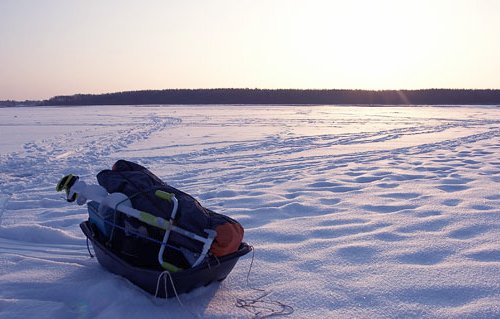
[(145, 230)]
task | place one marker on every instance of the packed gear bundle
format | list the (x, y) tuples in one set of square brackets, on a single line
[(142, 228)]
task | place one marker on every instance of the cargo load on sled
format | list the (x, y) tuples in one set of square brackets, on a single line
[(142, 228)]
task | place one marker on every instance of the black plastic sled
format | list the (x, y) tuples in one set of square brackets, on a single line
[(214, 269)]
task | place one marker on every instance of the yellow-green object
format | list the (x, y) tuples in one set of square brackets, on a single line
[(164, 195)]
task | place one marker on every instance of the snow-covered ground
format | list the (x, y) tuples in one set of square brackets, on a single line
[(354, 212)]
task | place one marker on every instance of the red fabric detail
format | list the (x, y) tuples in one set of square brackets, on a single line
[(228, 239)]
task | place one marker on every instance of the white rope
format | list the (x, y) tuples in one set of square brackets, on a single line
[(162, 274), (210, 266), (169, 275), (260, 307), (88, 248)]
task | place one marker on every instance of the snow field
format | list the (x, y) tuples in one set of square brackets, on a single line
[(386, 212)]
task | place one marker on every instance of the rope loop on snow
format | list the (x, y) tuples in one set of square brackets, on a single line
[(262, 307)]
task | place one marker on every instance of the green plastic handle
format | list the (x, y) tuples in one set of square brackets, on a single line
[(164, 195), (170, 267)]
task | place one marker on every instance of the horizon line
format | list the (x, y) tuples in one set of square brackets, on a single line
[(249, 88)]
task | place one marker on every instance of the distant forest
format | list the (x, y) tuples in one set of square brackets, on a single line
[(283, 96), (10, 103)]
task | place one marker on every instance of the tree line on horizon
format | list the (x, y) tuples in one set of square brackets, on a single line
[(282, 96)]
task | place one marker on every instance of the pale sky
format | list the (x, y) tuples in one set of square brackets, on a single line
[(63, 47)]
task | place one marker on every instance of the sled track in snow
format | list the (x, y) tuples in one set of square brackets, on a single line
[(29, 177), (293, 156), (43, 251), (44, 159)]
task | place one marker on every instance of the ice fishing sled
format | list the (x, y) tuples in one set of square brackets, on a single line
[(154, 280), (158, 237)]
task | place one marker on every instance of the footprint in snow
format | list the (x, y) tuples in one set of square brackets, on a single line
[(357, 254), (343, 221), (453, 296), (387, 185), (487, 255), (388, 209), (429, 213), (427, 257), (482, 207), (347, 230), (452, 188), (402, 195), (468, 232), (429, 226), (389, 236), (367, 179), (451, 202)]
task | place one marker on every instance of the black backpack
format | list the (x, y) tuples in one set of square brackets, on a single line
[(139, 242)]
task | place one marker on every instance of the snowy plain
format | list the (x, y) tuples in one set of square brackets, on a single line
[(354, 212)]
